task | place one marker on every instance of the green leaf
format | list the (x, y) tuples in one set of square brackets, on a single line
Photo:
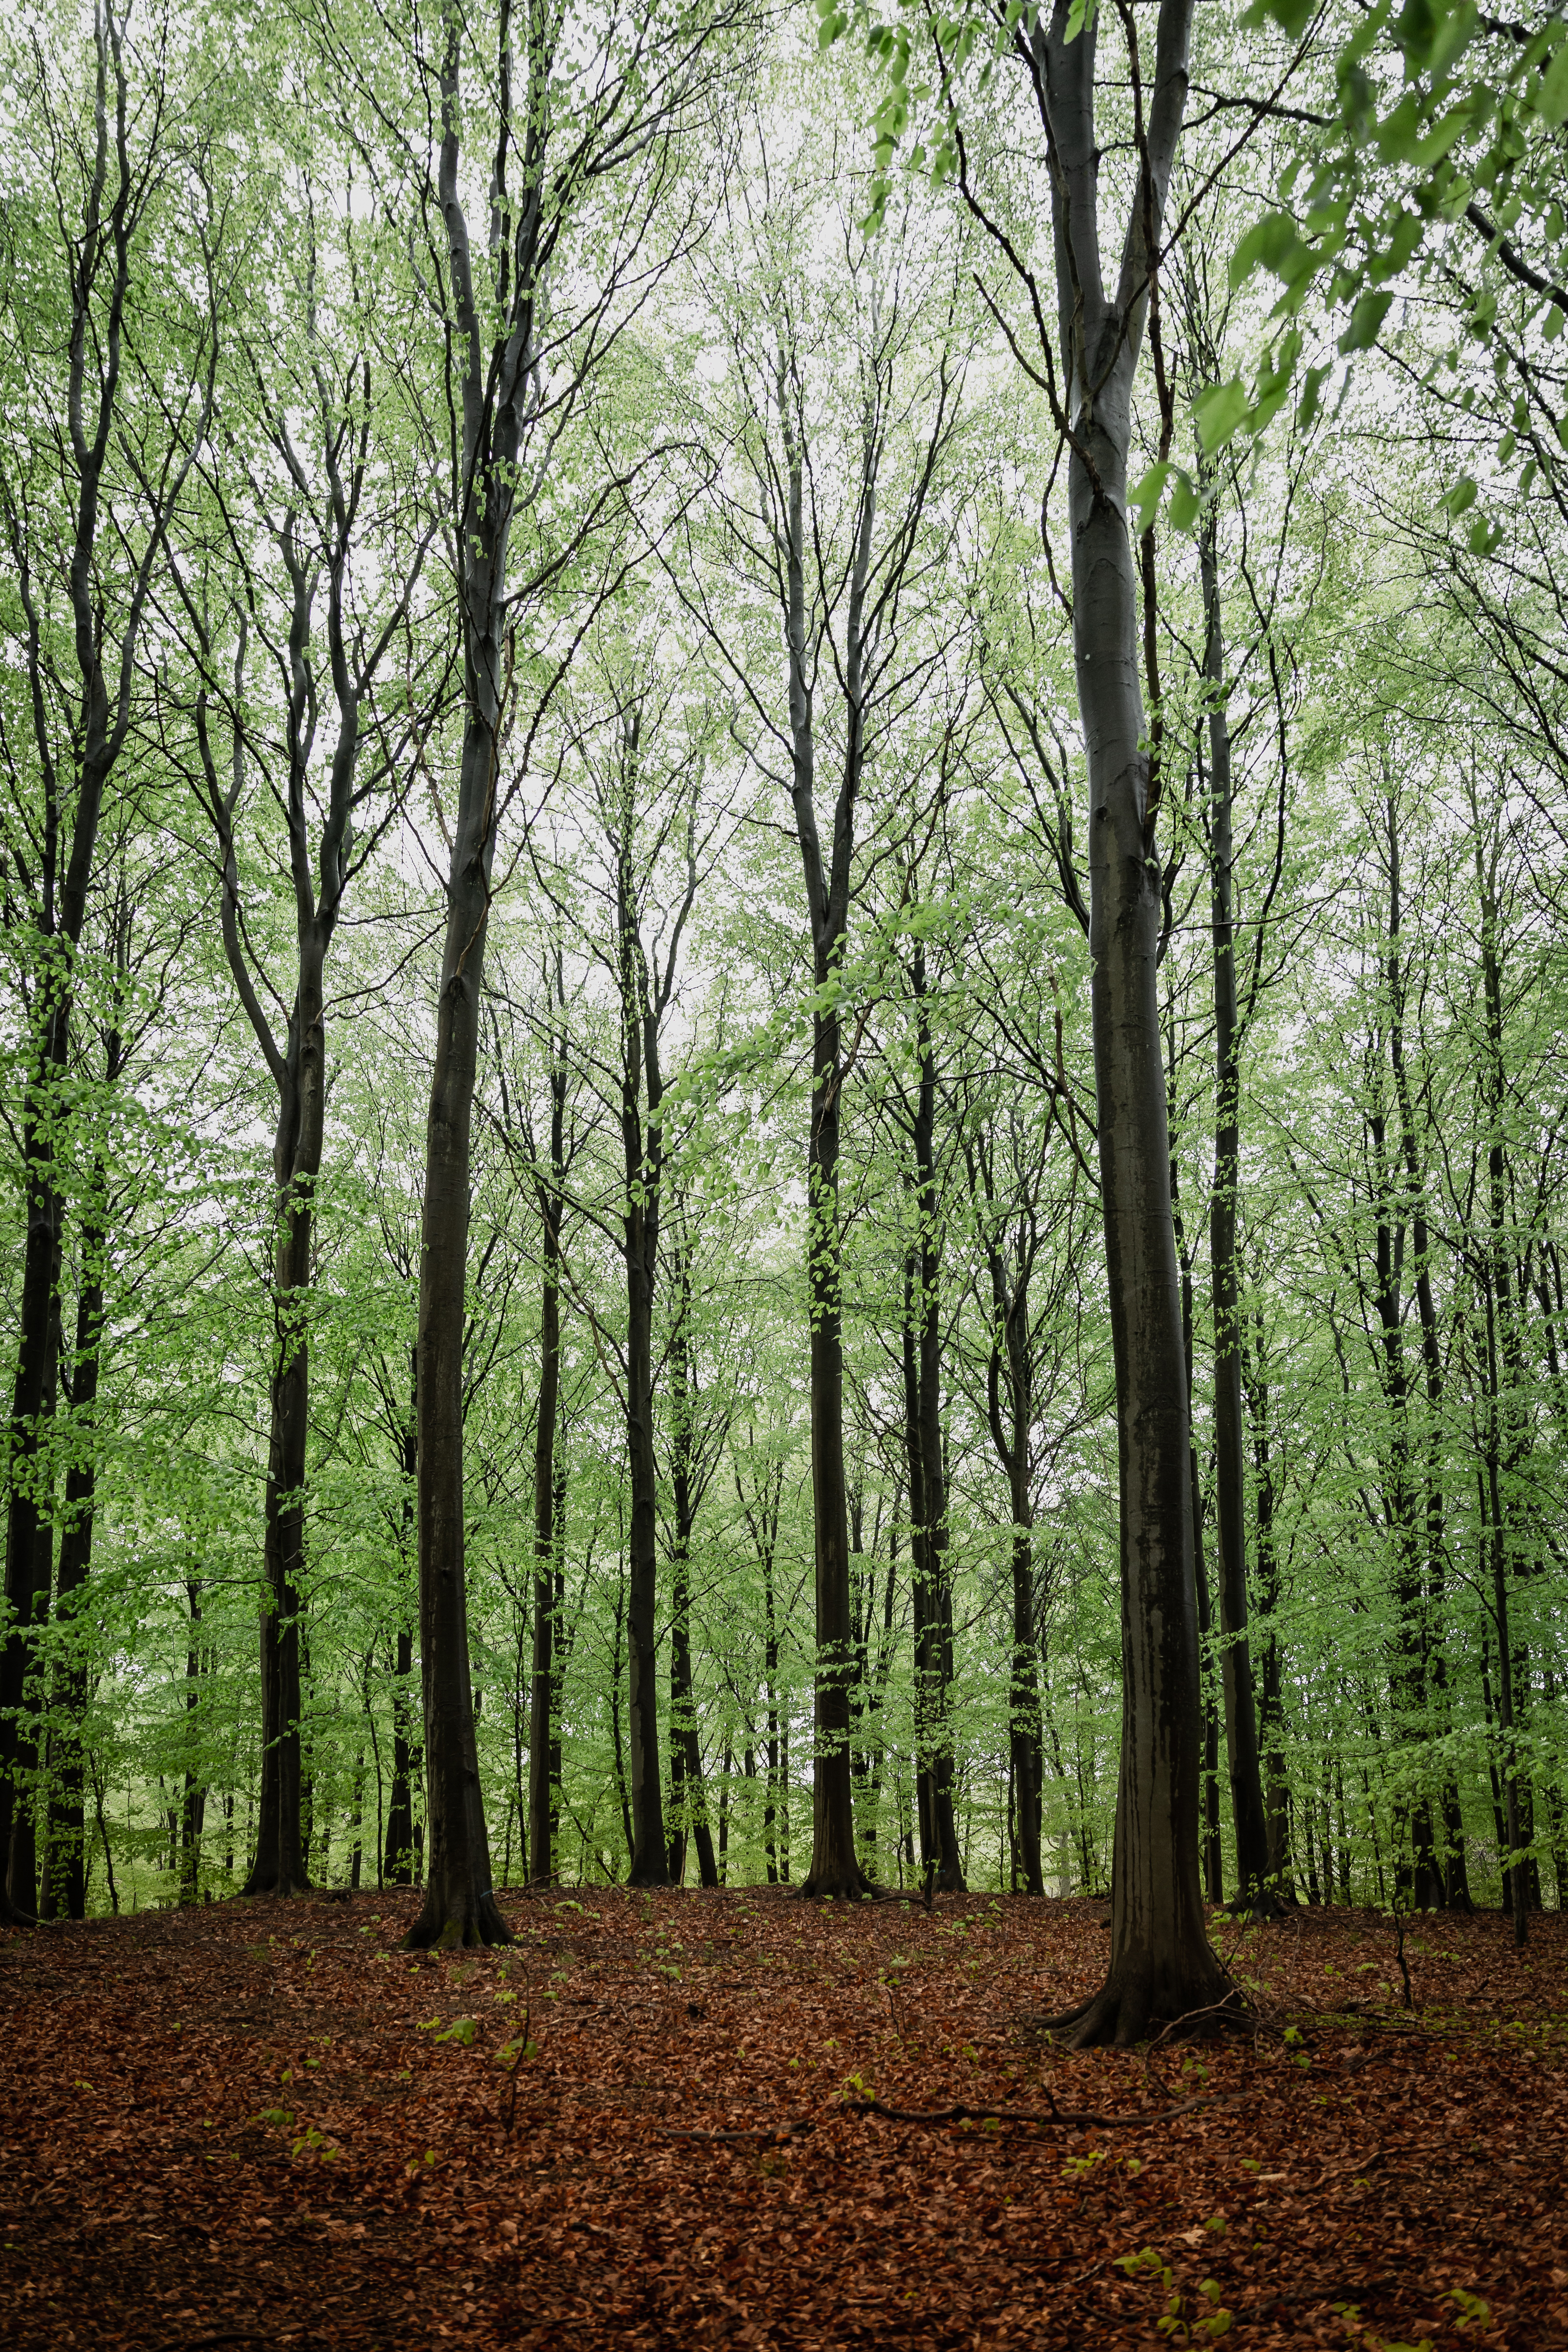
[(1431, 33), (1218, 412), (1269, 242), (1461, 497), (1551, 100), (1311, 393), (1184, 502), (1143, 497), (1366, 320), (1292, 17)]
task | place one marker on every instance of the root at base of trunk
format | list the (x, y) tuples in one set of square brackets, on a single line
[(850, 1886), (1130, 2009), (467, 1926), (282, 1887)]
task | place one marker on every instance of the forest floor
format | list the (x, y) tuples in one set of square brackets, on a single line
[(260, 2123)]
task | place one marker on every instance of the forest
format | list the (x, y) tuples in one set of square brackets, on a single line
[(784, 968)]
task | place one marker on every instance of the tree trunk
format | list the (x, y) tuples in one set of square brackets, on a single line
[(22, 1872), (1446, 1878), (117, 184), (1160, 1965), (1253, 1891), (546, 1536), (691, 1801), (66, 1895), (278, 1867), (459, 1905), (927, 1490)]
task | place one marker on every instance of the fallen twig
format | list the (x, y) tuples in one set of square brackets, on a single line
[(1072, 2117), (752, 2131)]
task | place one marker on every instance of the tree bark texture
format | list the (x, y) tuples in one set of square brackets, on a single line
[(1161, 1962), (1247, 1815)]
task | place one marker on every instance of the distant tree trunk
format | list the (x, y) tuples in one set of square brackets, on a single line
[(22, 1875), (66, 1895), (194, 1797), (108, 200), (1503, 1427), (835, 1869), (278, 1867), (690, 1801), (1253, 1892), (542, 1710), (399, 1869), (928, 1484), (1214, 1879)]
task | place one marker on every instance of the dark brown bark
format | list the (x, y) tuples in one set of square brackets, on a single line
[(644, 995), (688, 1796), (1241, 1728), (65, 1895), (1502, 1438), (1419, 1882), (1213, 1878), (835, 1868), (1160, 1965), (932, 1583), (99, 265), (22, 1862), (544, 1775)]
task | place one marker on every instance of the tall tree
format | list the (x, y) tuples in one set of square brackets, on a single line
[(132, 373), (1161, 1965), (583, 117), (325, 458)]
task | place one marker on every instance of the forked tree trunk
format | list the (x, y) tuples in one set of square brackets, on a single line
[(1162, 1966)]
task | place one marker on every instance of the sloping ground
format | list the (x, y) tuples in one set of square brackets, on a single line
[(260, 2123)]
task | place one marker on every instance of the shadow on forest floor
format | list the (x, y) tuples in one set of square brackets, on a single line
[(261, 2123)]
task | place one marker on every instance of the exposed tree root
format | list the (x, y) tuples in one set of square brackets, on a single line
[(440, 1929), (847, 1885), (1131, 2010)]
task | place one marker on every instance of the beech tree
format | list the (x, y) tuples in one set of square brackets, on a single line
[(132, 395)]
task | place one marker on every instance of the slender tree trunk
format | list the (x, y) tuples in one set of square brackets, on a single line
[(835, 1869), (194, 1797), (541, 1692), (22, 1875), (278, 1867), (67, 1893), (116, 184), (1443, 1879), (1253, 1891), (928, 1492), (692, 1801)]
